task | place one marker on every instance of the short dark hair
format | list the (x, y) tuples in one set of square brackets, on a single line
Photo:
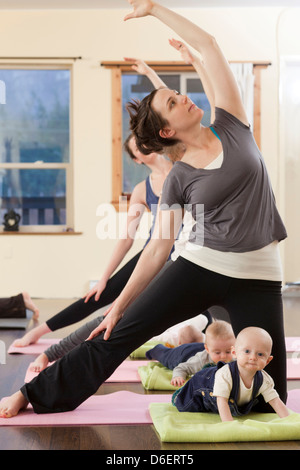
[(127, 146), (145, 124)]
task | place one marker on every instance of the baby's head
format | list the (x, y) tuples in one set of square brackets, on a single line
[(253, 348), (190, 334), (219, 340)]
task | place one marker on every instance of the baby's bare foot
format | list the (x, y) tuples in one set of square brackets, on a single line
[(12, 405), (30, 305), (40, 363)]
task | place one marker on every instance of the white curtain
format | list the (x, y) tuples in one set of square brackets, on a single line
[(245, 79), (2, 92)]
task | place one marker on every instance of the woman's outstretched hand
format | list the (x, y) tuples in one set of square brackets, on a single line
[(112, 316), (140, 8), (186, 54), (95, 291), (138, 65)]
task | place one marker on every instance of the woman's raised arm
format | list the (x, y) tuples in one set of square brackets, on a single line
[(197, 63), (226, 92), (142, 68)]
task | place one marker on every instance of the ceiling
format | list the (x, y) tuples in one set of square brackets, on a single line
[(109, 4)]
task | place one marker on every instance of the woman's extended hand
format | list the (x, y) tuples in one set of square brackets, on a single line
[(139, 65), (96, 291), (186, 54), (112, 316), (140, 8)]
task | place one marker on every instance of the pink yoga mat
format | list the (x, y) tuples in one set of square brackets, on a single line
[(292, 343), (293, 400), (116, 408), (126, 372), (293, 367), (36, 348)]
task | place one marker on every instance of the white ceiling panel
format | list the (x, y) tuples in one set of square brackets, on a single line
[(109, 4)]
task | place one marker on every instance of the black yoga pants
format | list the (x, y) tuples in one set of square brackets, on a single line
[(81, 309), (179, 293), (12, 307)]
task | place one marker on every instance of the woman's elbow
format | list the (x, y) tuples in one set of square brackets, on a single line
[(209, 45)]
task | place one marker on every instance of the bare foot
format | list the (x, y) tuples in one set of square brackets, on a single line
[(32, 336), (30, 305), (12, 405), (40, 363)]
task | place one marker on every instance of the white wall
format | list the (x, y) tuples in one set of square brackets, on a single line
[(61, 266)]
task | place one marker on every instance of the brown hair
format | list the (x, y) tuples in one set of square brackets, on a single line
[(175, 152), (127, 147), (145, 123)]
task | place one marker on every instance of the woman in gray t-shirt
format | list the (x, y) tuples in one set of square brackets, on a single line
[(234, 241), (241, 230)]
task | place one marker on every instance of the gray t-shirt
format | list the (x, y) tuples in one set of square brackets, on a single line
[(239, 211), (192, 365)]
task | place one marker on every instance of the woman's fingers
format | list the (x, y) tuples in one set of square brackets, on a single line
[(140, 8)]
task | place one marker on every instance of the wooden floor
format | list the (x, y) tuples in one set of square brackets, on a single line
[(109, 437)]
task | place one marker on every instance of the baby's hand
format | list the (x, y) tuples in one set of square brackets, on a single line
[(177, 381)]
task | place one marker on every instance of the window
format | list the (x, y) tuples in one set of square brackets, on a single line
[(35, 160), (127, 85)]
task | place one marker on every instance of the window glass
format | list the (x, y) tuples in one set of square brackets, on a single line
[(35, 130), (34, 122), (38, 196)]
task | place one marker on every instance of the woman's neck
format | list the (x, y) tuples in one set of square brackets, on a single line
[(202, 147), (198, 139), (160, 165), (160, 169)]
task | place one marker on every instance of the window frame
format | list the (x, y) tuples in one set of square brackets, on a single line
[(68, 227), (117, 68)]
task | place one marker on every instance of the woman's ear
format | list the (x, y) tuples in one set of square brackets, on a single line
[(166, 133)]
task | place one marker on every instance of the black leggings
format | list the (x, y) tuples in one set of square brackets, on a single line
[(12, 307), (81, 309), (179, 293)]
